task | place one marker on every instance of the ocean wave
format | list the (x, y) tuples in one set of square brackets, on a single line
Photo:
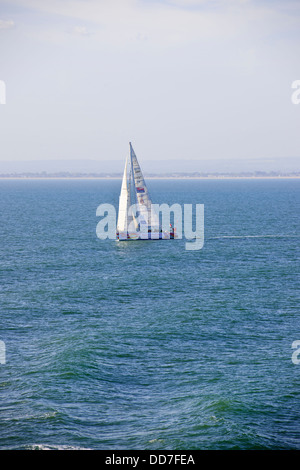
[(52, 447), (253, 236)]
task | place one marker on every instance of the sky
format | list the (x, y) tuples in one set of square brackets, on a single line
[(180, 79)]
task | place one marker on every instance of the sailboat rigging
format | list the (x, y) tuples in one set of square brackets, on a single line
[(137, 219)]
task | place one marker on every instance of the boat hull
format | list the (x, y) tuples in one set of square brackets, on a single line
[(147, 236)]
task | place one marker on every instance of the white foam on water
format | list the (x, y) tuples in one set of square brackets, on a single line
[(253, 236)]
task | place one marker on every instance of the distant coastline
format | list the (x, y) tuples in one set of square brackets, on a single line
[(204, 176)]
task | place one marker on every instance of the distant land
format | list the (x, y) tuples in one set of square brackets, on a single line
[(214, 168)]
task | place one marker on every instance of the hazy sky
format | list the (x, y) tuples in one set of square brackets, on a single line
[(184, 79)]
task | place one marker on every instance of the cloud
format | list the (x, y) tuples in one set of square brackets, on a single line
[(166, 23), (81, 31), (6, 24)]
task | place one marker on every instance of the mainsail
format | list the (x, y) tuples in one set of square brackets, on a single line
[(142, 197)]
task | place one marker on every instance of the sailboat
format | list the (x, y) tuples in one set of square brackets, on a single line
[(137, 219)]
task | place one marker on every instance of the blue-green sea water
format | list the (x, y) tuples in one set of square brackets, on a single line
[(143, 344)]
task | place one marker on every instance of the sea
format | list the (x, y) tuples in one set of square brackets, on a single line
[(144, 344)]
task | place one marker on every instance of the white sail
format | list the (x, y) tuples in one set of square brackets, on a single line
[(126, 220), (143, 199), (124, 203)]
